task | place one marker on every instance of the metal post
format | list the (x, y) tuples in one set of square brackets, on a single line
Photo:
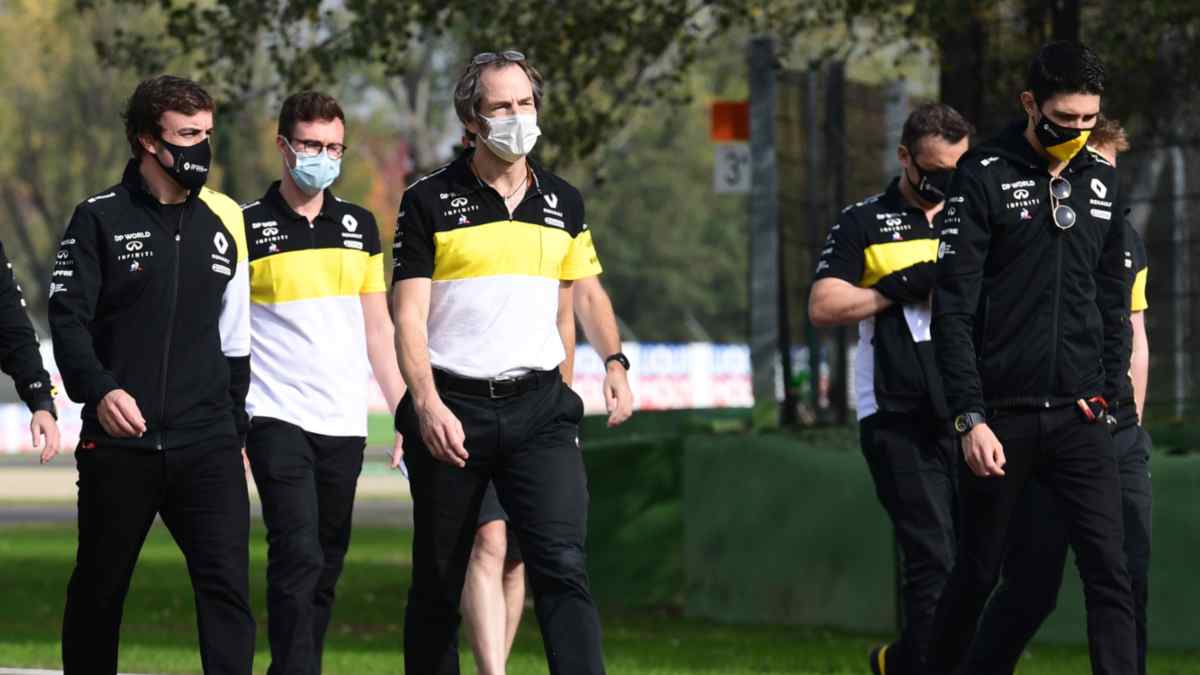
[(816, 226), (835, 144), (764, 223), (1179, 278)]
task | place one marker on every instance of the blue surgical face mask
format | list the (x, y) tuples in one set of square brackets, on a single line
[(314, 174)]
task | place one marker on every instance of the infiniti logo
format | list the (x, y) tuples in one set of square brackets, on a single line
[(459, 201), (134, 246), (1021, 194)]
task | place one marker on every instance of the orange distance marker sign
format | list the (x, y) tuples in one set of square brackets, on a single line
[(731, 161)]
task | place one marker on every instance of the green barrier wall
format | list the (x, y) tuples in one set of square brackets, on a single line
[(1174, 577), (777, 531), (780, 533)]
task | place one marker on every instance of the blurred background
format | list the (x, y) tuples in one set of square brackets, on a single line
[(734, 525)]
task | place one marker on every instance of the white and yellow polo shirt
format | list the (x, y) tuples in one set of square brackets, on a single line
[(308, 348)]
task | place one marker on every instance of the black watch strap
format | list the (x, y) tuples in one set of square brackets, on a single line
[(967, 421), (620, 358)]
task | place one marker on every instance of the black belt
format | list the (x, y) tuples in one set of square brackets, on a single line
[(512, 386)]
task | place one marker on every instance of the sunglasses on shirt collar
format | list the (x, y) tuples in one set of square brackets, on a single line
[(1063, 215)]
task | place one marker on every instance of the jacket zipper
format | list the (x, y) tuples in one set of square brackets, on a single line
[(162, 418), (1053, 372)]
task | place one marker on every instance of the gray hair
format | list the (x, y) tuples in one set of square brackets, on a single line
[(468, 92)]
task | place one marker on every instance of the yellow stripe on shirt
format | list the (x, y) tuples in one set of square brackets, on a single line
[(313, 273), (881, 260), (507, 247)]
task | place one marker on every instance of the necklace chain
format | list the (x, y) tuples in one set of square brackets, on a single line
[(509, 195)]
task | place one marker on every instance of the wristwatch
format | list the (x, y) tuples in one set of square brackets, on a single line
[(967, 421), (619, 358)]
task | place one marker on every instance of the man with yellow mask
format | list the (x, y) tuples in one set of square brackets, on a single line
[(1030, 314)]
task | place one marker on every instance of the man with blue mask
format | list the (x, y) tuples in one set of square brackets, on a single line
[(318, 321)]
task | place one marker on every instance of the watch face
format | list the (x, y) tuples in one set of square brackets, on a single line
[(960, 424)]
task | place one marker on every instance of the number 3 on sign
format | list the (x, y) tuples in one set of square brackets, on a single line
[(731, 171)]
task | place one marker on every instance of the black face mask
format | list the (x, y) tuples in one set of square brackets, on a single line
[(931, 185), (191, 163)]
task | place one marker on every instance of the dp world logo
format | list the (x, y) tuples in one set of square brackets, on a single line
[(188, 166)]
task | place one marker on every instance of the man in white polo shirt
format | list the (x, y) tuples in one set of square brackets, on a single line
[(486, 250)]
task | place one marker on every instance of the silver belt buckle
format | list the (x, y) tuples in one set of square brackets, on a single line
[(492, 389)]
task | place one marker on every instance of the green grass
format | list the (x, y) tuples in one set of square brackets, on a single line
[(159, 627)]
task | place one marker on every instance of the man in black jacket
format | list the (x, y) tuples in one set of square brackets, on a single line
[(1034, 566), (1030, 309), (21, 360), (877, 269), (149, 313)]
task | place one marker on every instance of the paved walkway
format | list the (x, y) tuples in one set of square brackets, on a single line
[(31, 493)]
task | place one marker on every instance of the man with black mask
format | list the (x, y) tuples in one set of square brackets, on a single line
[(877, 270), (1030, 316), (149, 313)]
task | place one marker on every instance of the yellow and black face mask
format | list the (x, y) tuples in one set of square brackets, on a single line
[(1061, 142)]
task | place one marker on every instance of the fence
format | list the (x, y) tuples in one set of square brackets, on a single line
[(837, 144)]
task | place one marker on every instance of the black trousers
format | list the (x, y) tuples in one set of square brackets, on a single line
[(307, 483), (528, 445), (1034, 566), (914, 463), (200, 492), (1076, 461)]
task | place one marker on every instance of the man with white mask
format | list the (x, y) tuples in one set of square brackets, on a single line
[(486, 251), (318, 321)]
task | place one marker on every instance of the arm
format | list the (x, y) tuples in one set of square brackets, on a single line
[(836, 302), (381, 336), (21, 360), (1114, 283), (234, 323), (566, 330), (412, 284), (19, 355), (72, 308), (1139, 361), (595, 312), (965, 240), (381, 348), (440, 429)]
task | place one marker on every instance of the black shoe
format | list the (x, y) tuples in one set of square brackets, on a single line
[(878, 659)]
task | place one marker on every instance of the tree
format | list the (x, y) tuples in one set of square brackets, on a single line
[(57, 128)]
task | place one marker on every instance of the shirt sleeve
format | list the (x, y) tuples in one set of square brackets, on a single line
[(1141, 266), (373, 277), (234, 323), (72, 307), (581, 260), (19, 355), (965, 240), (1113, 290), (413, 248), (842, 254)]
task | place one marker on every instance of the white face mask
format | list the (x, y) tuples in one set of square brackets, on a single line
[(513, 137)]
